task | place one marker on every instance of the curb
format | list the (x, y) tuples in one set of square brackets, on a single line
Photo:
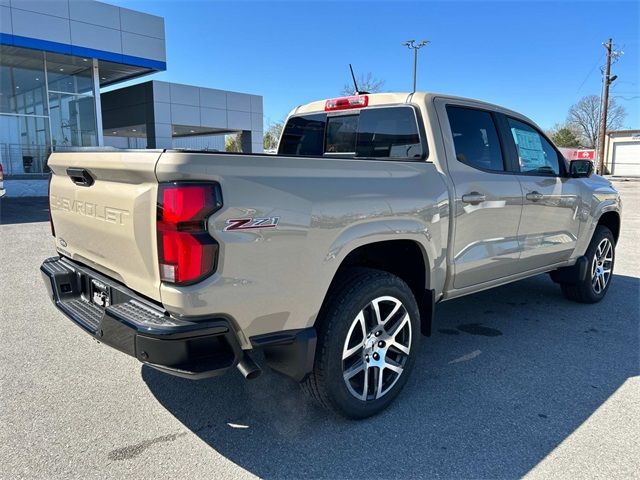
[(622, 179)]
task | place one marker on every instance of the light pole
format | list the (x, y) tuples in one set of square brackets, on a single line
[(411, 45)]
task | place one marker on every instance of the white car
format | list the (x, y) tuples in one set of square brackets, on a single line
[(2, 190)]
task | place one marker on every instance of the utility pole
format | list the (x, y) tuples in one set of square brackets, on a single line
[(607, 80), (411, 45)]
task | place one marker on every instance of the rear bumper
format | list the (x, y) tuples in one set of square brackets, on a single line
[(140, 328)]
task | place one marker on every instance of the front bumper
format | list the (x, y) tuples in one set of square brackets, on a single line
[(138, 327)]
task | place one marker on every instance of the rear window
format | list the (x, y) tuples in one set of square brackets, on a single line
[(388, 132), (341, 134)]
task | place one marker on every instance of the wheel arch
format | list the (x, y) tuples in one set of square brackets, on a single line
[(404, 258), (611, 220)]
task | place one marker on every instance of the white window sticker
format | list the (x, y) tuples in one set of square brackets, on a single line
[(530, 151)]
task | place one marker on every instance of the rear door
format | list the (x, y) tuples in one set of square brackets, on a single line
[(103, 208), (550, 218), (487, 200)]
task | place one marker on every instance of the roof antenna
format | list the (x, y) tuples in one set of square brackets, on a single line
[(355, 83)]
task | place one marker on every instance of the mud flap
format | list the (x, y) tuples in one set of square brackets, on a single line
[(573, 274)]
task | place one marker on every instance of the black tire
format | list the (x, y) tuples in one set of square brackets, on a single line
[(352, 295), (585, 291)]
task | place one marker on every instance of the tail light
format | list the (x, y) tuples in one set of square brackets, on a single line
[(1, 173), (186, 251), (345, 103)]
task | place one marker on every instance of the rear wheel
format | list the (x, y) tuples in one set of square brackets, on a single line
[(367, 340), (601, 258)]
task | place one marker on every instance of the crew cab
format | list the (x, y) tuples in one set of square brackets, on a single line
[(330, 256)]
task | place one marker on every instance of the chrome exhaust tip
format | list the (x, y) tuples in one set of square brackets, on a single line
[(248, 368)]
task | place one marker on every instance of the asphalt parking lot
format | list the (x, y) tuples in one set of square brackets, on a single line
[(515, 381)]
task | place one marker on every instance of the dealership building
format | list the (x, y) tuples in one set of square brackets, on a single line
[(57, 55)]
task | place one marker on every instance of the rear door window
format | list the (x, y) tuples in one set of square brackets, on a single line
[(475, 138)]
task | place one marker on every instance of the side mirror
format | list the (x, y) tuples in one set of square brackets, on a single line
[(581, 168)]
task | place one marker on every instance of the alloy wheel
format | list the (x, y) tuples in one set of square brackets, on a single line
[(601, 266), (377, 348)]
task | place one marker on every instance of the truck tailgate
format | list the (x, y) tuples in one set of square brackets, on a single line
[(103, 207)]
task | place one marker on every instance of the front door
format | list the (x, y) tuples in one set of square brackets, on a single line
[(488, 198), (550, 218)]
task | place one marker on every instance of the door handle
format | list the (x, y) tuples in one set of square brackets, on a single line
[(535, 196), (474, 198), (80, 176)]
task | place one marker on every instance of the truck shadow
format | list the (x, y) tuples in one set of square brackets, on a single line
[(507, 375), (24, 210)]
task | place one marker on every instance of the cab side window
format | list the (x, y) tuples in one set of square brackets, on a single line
[(535, 154), (475, 138)]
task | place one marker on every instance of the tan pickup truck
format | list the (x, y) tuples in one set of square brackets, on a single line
[(331, 255)]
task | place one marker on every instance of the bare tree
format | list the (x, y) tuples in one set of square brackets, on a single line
[(584, 116), (366, 83), (272, 135)]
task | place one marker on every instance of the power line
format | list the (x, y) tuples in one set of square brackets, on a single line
[(590, 72)]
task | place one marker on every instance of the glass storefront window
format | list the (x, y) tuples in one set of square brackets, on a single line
[(69, 78), (24, 145), (47, 102), (22, 81), (24, 121), (73, 120), (71, 101)]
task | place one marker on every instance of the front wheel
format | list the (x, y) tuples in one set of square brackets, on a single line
[(367, 341), (601, 257)]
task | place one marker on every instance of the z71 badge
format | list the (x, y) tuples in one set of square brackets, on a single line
[(251, 223)]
